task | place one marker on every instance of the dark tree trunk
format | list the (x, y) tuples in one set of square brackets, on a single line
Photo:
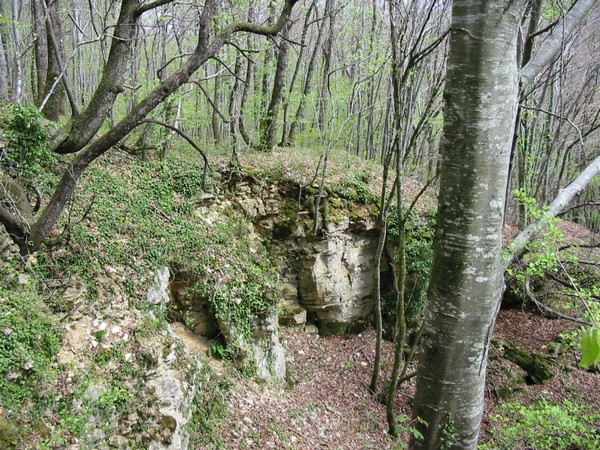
[(308, 84), (84, 126), (327, 54), (269, 121), (41, 51), (54, 89)]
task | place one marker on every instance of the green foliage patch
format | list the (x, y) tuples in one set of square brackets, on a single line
[(142, 215), (26, 141), (357, 188), (29, 340), (420, 230), (543, 425)]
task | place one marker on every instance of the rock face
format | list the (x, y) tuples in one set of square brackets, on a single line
[(8, 252), (141, 381), (328, 279), (336, 280), (262, 353)]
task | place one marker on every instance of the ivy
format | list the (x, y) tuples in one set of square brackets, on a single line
[(420, 229), (29, 340), (543, 425)]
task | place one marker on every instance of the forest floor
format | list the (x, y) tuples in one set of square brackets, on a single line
[(326, 403)]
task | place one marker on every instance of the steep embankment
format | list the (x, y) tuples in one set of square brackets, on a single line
[(107, 332)]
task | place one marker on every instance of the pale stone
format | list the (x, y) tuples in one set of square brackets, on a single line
[(158, 292)]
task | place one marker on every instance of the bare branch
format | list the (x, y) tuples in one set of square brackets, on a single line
[(564, 197), (549, 310), (210, 100), (553, 45), (265, 30), (580, 205), (145, 8), (190, 141)]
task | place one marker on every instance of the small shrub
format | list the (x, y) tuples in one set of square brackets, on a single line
[(220, 351), (420, 230), (26, 140)]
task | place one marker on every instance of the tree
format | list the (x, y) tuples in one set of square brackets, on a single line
[(269, 120), (466, 281), (79, 136)]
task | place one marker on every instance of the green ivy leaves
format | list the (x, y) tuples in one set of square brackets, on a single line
[(590, 347)]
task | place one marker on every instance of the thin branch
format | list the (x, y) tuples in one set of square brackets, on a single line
[(543, 30), (417, 197), (549, 310), (558, 116), (243, 51), (60, 62), (265, 30), (164, 66), (190, 141), (589, 263), (567, 246), (569, 285), (554, 43), (210, 100), (580, 205), (226, 67), (145, 8)]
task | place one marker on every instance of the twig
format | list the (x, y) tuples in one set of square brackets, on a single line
[(190, 141), (575, 245), (580, 205), (549, 310)]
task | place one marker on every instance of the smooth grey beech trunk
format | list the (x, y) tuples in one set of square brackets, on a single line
[(466, 280)]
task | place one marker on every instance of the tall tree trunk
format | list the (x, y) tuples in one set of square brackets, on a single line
[(466, 280), (85, 125), (268, 123), (246, 88), (54, 92), (308, 82), (17, 70), (327, 53), (292, 84), (214, 120), (3, 71), (40, 45)]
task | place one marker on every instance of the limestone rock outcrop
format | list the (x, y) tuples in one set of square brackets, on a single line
[(328, 279)]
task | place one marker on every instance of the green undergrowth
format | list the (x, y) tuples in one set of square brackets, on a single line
[(143, 215), (543, 425), (420, 230), (98, 395), (29, 339)]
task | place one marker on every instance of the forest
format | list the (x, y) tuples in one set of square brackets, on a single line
[(299, 224)]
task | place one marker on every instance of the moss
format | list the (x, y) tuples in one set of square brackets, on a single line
[(9, 435), (537, 366), (342, 328), (287, 220)]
